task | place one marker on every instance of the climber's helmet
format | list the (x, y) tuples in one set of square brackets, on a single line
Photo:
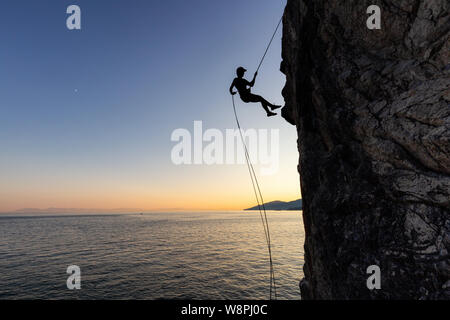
[(240, 71)]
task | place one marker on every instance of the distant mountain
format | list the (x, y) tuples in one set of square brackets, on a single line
[(281, 205), (76, 210)]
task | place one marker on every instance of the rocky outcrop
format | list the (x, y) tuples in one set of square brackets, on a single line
[(372, 113)]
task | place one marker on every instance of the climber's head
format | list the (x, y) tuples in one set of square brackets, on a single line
[(240, 72)]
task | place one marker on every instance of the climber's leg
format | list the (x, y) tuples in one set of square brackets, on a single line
[(265, 104)]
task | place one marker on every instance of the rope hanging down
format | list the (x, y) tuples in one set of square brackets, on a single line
[(260, 201), (255, 184)]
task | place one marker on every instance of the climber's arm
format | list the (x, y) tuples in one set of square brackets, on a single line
[(231, 89)]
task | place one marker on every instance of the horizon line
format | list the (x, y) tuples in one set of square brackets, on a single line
[(65, 210)]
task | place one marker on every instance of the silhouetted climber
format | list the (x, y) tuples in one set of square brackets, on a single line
[(242, 86)]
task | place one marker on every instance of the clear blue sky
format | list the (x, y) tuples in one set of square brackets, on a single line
[(91, 110)]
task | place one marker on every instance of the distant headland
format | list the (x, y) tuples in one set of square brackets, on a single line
[(280, 205)]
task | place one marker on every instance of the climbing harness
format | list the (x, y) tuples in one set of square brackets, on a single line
[(255, 184)]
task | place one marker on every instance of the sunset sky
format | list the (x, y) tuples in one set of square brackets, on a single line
[(86, 116)]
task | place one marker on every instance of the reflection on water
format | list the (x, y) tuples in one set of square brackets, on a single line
[(151, 256)]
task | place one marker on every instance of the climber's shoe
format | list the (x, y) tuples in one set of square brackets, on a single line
[(271, 114), (274, 107)]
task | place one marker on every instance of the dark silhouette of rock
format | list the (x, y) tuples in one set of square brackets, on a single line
[(281, 205), (372, 113)]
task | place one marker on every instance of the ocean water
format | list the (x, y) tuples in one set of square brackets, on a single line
[(151, 256)]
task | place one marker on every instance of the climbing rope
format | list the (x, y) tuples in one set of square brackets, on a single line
[(260, 202), (254, 179), (270, 43)]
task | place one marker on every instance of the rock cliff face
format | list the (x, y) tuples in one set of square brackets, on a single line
[(372, 113)]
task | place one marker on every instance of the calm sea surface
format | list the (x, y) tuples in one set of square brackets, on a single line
[(150, 256)]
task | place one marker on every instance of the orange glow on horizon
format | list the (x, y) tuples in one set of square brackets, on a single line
[(187, 195)]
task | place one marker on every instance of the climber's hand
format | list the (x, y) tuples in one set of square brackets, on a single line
[(256, 73), (233, 92)]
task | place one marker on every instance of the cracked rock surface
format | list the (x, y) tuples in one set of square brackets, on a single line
[(372, 111)]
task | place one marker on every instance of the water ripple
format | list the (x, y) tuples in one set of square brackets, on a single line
[(151, 256)]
